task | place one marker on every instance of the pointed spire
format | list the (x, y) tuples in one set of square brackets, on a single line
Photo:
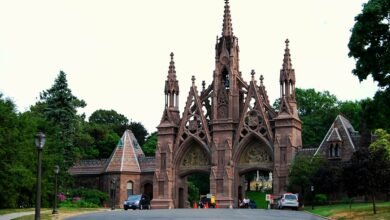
[(172, 71), (171, 84), (227, 29), (287, 57)]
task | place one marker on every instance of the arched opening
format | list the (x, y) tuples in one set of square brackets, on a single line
[(225, 78), (254, 167), (129, 188), (148, 190), (255, 184), (193, 173)]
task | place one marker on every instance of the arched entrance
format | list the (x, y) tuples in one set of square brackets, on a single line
[(253, 167), (192, 164)]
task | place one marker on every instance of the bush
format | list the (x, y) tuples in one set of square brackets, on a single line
[(69, 203), (320, 199), (91, 196)]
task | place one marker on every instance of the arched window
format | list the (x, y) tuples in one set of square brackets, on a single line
[(225, 78), (336, 149), (129, 188), (331, 150)]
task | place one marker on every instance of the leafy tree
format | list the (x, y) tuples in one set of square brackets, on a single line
[(376, 112), (301, 173), (353, 111), (139, 131), (367, 174), (370, 42), (104, 139), (150, 145), (317, 110), (108, 117), (382, 142), (328, 178)]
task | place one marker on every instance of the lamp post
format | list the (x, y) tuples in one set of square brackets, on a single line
[(56, 171), (312, 194), (113, 192), (39, 143)]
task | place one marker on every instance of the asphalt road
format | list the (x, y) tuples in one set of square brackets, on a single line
[(189, 214)]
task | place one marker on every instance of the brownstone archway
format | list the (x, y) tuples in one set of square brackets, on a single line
[(253, 153)]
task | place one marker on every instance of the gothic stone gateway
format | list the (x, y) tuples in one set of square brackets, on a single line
[(226, 130)]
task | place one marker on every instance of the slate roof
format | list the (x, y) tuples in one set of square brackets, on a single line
[(88, 167), (126, 157), (340, 130)]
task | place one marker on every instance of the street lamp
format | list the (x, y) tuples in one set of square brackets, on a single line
[(312, 194), (39, 143), (113, 192), (56, 171)]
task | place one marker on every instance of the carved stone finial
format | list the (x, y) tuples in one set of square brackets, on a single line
[(253, 74), (261, 79), (193, 79), (203, 85), (287, 41), (171, 56)]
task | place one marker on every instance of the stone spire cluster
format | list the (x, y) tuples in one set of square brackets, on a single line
[(227, 28)]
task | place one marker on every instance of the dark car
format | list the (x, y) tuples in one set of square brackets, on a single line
[(137, 202)]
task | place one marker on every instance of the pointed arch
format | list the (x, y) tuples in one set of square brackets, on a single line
[(185, 147), (246, 141)]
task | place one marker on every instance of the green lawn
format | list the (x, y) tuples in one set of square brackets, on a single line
[(358, 211), (7, 211), (63, 212), (259, 198)]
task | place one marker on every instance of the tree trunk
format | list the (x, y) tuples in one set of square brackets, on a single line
[(373, 203)]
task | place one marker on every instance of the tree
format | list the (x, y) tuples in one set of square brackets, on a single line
[(108, 117), (367, 173), (376, 111), (139, 131), (382, 142), (60, 108), (300, 177), (150, 145), (317, 110), (370, 42)]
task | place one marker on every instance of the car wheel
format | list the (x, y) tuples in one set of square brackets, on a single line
[(125, 208)]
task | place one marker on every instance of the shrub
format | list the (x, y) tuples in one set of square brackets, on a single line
[(92, 196), (320, 199)]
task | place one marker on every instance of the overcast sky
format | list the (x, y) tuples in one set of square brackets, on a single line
[(116, 53)]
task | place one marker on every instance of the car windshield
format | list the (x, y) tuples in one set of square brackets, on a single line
[(134, 198), (290, 197)]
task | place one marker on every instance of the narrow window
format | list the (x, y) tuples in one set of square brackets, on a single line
[(129, 188)]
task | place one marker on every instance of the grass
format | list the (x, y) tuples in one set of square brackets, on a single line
[(63, 213), (357, 211), (259, 198), (8, 211)]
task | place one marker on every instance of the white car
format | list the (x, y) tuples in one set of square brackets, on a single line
[(288, 200)]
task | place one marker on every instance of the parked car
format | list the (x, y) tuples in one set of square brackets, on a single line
[(288, 200), (137, 202)]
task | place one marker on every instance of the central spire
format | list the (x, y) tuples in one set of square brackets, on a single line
[(227, 29), (287, 57)]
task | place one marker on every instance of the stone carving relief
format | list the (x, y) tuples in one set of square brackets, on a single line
[(195, 157), (255, 154)]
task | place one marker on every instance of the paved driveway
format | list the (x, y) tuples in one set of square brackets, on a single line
[(189, 214)]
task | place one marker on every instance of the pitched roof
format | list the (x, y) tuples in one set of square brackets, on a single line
[(340, 126), (88, 167), (125, 155), (334, 135)]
